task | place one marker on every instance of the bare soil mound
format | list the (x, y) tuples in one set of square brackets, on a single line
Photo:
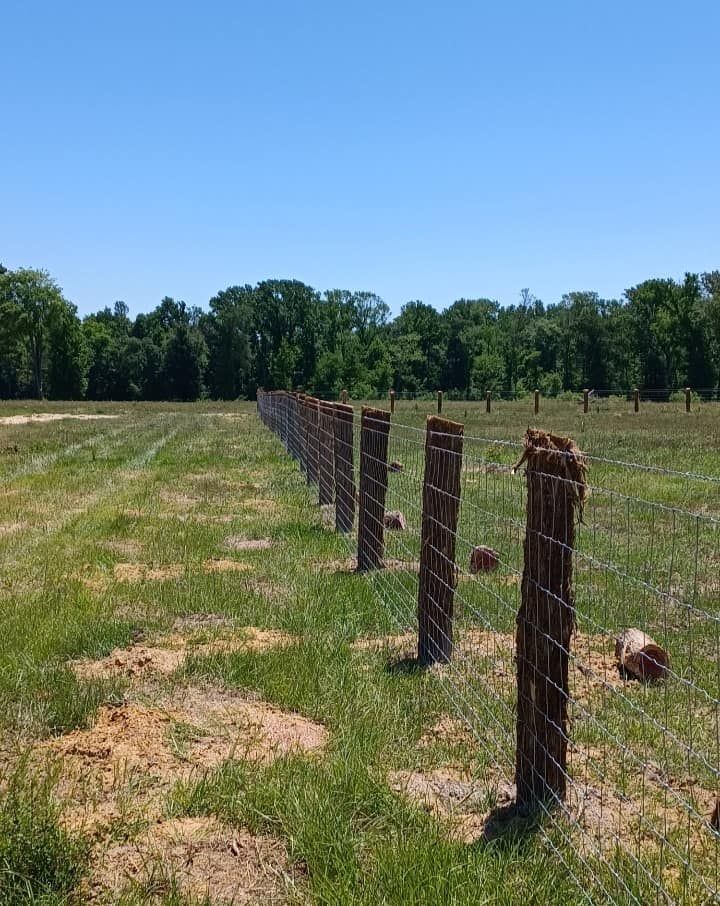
[(202, 858)]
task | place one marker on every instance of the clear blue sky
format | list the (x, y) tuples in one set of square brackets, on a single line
[(420, 151)]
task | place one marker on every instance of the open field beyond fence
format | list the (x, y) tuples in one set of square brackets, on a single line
[(199, 694)]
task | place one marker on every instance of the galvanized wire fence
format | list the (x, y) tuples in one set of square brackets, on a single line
[(572, 622)]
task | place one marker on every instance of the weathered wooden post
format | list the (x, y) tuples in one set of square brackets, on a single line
[(688, 398), (439, 401), (344, 397), (556, 489), (537, 401), (344, 468), (392, 402), (441, 505), (488, 397), (586, 400), (313, 438), (325, 453), (374, 438), (636, 399), (304, 435)]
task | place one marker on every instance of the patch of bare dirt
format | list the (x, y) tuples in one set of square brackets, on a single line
[(180, 500), (123, 766), (447, 794), (193, 622), (349, 565), (125, 547), (12, 528), (218, 565), (382, 643), (234, 727), (171, 651), (143, 572), (447, 731), (239, 543), (41, 417), (204, 859), (262, 505)]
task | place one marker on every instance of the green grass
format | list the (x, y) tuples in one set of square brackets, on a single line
[(165, 485), (40, 862)]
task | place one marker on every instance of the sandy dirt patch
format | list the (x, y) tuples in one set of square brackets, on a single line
[(262, 505), (12, 528), (219, 565), (349, 565), (122, 768), (447, 731), (204, 858), (240, 543), (143, 572), (41, 417), (180, 500), (169, 652), (126, 547)]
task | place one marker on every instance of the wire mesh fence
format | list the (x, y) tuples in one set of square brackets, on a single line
[(571, 621)]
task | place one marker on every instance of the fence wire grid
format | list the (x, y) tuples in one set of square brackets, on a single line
[(577, 631)]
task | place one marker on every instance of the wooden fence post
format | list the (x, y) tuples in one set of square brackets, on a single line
[(392, 402), (636, 398), (304, 435), (537, 401), (344, 468), (374, 438), (441, 505), (325, 452), (586, 400), (688, 397), (556, 490), (488, 397), (439, 401), (312, 438), (344, 397)]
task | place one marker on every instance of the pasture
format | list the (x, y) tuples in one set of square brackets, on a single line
[(197, 690)]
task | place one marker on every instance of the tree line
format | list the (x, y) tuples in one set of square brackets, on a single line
[(283, 334)]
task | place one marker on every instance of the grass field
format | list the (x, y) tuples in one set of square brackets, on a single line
[(188, 695)]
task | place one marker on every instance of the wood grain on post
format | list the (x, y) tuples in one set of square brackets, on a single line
[(303, 431), (344, 468), (636, 399), (326, 446), (441, 505), (374, 438), (586, 400), (556, 490), (688, 398), (313, 427), (392, 402), (439, 401), (488, 398), (295, 425)]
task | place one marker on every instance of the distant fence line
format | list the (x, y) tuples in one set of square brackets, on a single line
[(574, 627), (587, 397)]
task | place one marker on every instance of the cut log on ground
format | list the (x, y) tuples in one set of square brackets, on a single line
[(483, 559), (395, 520), (641, 656)]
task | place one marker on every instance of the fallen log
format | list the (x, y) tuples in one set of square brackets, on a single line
[(641, 656)]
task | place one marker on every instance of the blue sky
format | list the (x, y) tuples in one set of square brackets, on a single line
[(419, 151)]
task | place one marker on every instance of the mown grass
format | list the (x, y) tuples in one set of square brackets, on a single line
[(172, 483)]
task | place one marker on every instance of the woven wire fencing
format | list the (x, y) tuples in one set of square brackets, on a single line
[(572, 622)]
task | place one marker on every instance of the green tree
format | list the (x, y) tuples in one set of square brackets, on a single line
[(183, 363), (30, 299)]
